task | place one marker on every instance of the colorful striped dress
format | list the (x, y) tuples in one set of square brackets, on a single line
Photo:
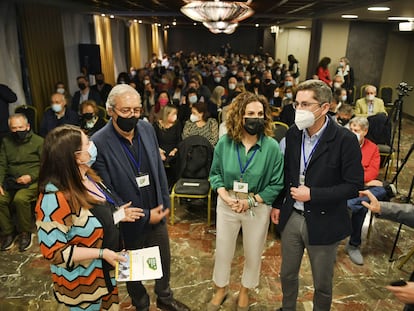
[(79, 285)]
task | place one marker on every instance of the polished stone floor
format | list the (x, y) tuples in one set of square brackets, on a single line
[(25, 282)]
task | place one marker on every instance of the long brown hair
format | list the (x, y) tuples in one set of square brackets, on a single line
[(235, 115), (58, 166)]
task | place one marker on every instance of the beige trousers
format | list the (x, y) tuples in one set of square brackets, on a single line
[(254, 228)]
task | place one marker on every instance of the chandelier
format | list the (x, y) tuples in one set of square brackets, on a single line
[(218, 16)]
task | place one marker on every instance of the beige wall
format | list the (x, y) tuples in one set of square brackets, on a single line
[(408, 106), (296, 42), (334, 41)]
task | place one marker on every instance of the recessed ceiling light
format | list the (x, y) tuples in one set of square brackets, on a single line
[(103, 15), (349, 16), (195, 24), (379, 8), (140, 22), (400, 18), (301, 27), (256, 25), (111, 16), (135, 21), (406, 26)]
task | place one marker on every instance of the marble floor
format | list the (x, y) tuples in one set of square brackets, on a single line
[(25, 282)]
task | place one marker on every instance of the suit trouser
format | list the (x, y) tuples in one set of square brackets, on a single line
[(322, 259), (255, 230), (156, 236), (20, 200)]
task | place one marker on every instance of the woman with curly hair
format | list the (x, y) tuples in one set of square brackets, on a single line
[(247, 173)]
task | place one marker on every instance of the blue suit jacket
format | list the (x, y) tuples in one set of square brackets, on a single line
[(334, 175), (113, 166)]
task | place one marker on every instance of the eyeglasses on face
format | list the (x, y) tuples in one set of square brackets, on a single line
[(303, 105)]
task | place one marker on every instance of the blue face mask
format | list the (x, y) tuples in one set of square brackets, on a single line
[(93, 152)]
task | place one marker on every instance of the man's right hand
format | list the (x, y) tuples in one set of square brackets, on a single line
[(1, 190), (157, 214)]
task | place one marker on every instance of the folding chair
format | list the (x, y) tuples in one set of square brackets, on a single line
[(194, 157)]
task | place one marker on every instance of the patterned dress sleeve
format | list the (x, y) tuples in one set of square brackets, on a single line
[(53, 221)]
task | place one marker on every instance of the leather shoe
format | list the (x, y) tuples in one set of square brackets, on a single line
[(172, 305), (213, 307), (8, 242)]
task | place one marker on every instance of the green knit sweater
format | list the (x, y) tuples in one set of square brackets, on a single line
[(20, 158)]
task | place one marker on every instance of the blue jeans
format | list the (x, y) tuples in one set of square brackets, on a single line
[(359, 212)]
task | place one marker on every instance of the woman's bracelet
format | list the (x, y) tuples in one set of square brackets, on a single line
[(101, 250)]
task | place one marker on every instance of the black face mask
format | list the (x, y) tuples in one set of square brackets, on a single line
[(239, 79), (342, 121), (87, 116), (267, 81), (254, 126), (256, 84), (126, 124), (19, 136), (99, 81), (82, 86)]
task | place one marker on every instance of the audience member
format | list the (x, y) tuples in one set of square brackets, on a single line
[(294, 67), (217, 101), (402, 213), (246, 190), (58, 114), (168, 131), (61, 89), (101, 87), (132, 168), (19, 169), (323, 71), (287, 115), (370, 104), (347, 72), (84, 93), (7, 96), (371, 165), (201, 124), (344, 115), (90, 121), (76, 229), (312, 213), (232, 90)]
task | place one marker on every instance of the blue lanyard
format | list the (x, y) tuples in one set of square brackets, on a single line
[(243, 169), (131, 156), (306, 161), (105, 196)]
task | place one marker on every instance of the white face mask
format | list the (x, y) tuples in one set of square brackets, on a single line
[(337, 85), (305, 118), (56, 108), (61, 90), (192, 99), (344, 98), (232, 86), (289, 95), (193, 118), (276, 94), (370, 97)]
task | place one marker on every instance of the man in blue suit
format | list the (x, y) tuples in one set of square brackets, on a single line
[(130, 165), (322, 171)]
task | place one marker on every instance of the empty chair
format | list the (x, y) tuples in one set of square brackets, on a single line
[(194, 157)]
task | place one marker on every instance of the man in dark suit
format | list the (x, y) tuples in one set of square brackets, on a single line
[(322, 171), (84, 93), (129, 162), (101, 87)]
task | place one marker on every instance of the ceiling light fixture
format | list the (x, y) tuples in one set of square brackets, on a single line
[(349, 16), (400, 18), (211, 12), (379, 8)]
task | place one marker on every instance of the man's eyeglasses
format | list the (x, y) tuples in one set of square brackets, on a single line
[(304, 105), (129, 111)]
